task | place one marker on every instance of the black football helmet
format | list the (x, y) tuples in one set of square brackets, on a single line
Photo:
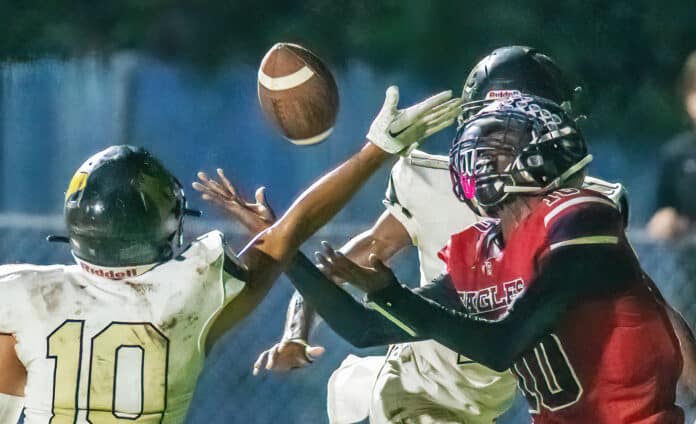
[(515, 70), (124, 208), (518, 145)]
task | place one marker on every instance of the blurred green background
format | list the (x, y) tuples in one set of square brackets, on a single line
[(179, 78), (625, 54)]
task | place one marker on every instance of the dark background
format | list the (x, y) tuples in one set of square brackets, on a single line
[(625, 54), (180, 79)]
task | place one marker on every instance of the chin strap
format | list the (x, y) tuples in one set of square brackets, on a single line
[(556, 183)]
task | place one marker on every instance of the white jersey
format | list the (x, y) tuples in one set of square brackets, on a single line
[(420, 196), (107, 345)]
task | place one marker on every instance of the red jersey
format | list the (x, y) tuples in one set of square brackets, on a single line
[(609, 359)]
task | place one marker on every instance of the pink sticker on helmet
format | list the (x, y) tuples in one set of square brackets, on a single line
[(469, 185)]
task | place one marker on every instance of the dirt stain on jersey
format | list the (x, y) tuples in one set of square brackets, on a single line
[(141, 289), (155, 337), (49, 294), (188, 321), (169, 324)]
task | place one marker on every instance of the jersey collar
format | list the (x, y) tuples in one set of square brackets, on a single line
[(113, 273)]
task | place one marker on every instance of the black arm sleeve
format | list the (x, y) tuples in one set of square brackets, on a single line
[(351, 319), (359, 325), (568, 274)]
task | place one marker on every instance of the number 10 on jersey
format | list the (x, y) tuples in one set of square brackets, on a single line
[(123, 356)]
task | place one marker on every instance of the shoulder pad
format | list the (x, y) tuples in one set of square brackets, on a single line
[(561, 201), (616, 192), (209, 246), (212, 240), (13, 271), (400, 174), (426, 160)]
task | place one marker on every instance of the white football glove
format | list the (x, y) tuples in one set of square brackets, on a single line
[(395, 130)]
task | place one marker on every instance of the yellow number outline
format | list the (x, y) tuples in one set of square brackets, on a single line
[(76, 356), (65, 347)]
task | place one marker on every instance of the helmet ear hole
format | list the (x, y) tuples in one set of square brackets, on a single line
[(535, 161)]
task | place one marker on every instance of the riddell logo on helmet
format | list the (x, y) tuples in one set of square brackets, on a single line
[(111, 274), (501, 94)]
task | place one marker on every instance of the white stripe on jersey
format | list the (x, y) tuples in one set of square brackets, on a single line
[(586, 240), (572, 202)]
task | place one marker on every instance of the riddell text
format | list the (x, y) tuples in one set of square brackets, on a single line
[(110, 274)]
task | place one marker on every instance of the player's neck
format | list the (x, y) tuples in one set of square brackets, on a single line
[(514, 212)]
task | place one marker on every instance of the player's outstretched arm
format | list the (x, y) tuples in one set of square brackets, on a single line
[(293, 351), (340, 309), (568, 273), (351, 319), (385, 239), (254, 217), (392, 131)]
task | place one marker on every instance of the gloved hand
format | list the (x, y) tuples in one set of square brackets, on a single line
[(396, 130)]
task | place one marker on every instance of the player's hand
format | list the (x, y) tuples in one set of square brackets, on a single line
[(255, 217), (369, 280), (395, 130), (287, 355)]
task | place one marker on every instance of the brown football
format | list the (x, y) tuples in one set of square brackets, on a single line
[(298, 93)]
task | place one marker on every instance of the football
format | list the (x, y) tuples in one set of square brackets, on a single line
[(297, 93)]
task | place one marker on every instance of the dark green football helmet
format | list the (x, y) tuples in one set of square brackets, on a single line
[(515, 70), (123, 207)]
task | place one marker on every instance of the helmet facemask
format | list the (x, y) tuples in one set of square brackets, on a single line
[(483, 159), (521, 145)]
